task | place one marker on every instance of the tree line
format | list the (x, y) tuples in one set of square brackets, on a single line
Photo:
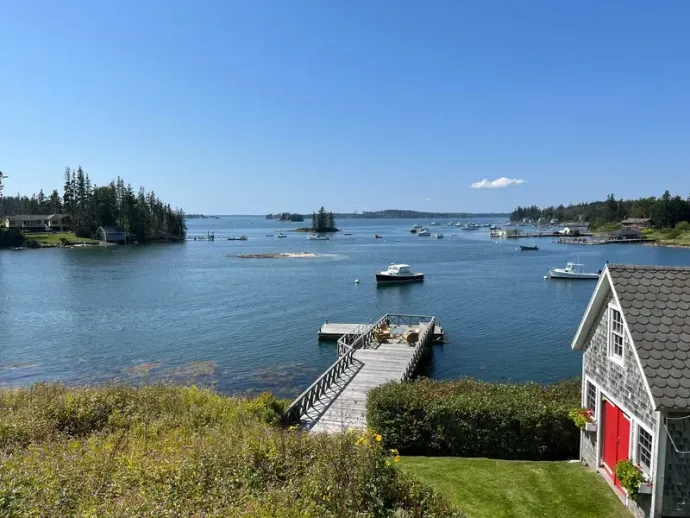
[(140, 213), (664, 212), (323, 221)]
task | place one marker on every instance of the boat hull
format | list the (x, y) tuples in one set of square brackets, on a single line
[(555, 274), (384, 278)]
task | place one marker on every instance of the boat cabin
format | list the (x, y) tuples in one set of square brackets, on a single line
[(398, 269), (635, 343)]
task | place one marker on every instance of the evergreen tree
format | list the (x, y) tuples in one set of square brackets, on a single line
[(314, 222), (330, 221), (54, 202), (321, 220)]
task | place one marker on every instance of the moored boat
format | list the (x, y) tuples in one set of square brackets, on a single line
[(434, 224), (317, 237), (376, 236), (398, 273), (438, 235), (424, 232), (528, 247), (281, 235), (573, 271)]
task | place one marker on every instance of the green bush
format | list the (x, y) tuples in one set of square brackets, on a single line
[(162, 450), (629, 475), (672, 233), (683, 226), (471, 418)]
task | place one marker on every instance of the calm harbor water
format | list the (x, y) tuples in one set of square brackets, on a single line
[(193, 312)]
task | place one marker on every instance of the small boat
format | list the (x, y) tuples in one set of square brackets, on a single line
[(398, 273), (424, 232), (438, 235), (450, 224), (524, 248), (241, 238), (433, 224), (376, 236), (494, 227), (413, 229), (572, 271), (281, 235), (316, 237), (347, 234), (269, 235), (458, 224), (470, 226)]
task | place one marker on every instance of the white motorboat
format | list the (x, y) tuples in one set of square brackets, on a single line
[(573, 271), (470, 226), (434, 224), (398, 273), (424, 232), (317, 237), (281, 235), (450, 224), (438, 235)]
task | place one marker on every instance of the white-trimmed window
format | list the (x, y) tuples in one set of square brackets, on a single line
[(591, 397), (616, 332), (644, 450)]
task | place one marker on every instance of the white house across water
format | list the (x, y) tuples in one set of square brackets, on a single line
[(635, 338)]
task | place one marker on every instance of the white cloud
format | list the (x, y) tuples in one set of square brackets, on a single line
[(499, 183), (427, 199)]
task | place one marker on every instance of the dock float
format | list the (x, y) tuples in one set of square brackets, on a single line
[(333, 332), (369, 356)]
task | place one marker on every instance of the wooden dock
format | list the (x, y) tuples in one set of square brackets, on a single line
[(369, 356), (333, 332)]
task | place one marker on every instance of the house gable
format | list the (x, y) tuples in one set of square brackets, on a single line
[(622, 382)]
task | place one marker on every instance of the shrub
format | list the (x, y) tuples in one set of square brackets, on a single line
[(683, 226), (170, 451), (672, 233), (629, 476), (580, 416), (471, 418), (32, 243)]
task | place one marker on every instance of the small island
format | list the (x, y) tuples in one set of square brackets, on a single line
[(280, 255), (321, 222)]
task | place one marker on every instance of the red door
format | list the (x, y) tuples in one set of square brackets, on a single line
[(616, 438)]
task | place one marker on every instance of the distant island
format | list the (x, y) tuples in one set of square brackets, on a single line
[(286, 216), (199, 216), (413, 214)]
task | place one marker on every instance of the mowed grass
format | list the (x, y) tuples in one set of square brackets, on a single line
[(485, 488), (55, 238)]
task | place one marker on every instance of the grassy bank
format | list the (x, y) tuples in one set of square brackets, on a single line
[(486, 488), (170, 451), (58, 238), (669, 236)]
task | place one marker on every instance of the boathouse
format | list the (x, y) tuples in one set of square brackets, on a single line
[(112, 235), (639, 223), (635, 338)]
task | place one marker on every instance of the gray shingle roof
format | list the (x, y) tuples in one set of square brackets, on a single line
[(656, 305)]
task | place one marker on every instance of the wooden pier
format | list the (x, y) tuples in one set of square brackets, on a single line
[(333, 332), (369, 356)]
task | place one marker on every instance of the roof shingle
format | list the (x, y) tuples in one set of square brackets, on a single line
[(654, 301)]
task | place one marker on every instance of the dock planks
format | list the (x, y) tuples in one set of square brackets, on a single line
[(344, 405)]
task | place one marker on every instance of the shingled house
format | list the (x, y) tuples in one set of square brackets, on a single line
[(635, 338)]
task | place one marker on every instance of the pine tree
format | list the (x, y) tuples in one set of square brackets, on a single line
[(67, 195), (330, 221), (321, 219), (314, 222), (54, 202)]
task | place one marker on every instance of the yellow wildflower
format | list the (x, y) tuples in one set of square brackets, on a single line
[(378, 438), (388, 463), (396, 458), (394, 451)]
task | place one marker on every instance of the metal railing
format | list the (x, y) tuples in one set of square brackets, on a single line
[(362, 337)]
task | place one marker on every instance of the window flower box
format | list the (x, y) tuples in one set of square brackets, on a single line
[(583, 419), (590, 427), (645, 488)]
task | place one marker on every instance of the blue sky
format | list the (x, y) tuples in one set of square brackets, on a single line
[(255, 106)]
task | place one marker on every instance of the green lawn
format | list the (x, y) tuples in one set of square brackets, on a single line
[(53, 238), (485, 488)]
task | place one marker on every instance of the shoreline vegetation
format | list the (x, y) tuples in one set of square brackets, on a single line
[(87, 207), (186, 451)]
